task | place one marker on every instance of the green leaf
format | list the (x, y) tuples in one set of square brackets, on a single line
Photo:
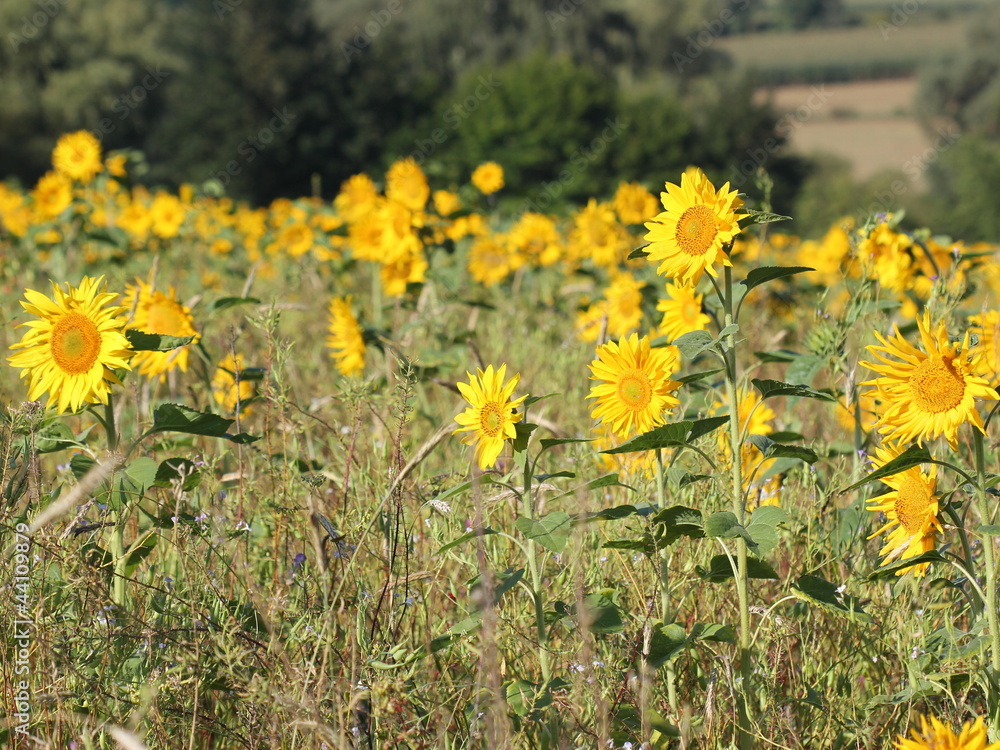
[(176, 418), (226, 302), (639, 252), (690, 478), (987, 530), (524, 698), (912, 456), (172, 469), (480, 531), (758, 276), (602, 613), (822, 593), (644, 546), (666, 643), (888, 571), (772, 388), (720, 569), (679, 521), (693, 343), (803, 369), (770, 449), (54, 436), (764, 217), (779, 356), (550, 531), (547, 443), (608, 480), (143, 472), (141, 549), (620, 511), (670, 435), (80, 464), (763, 527), (522, 431), (155, 342), (505, 581), (694, 378), (723, 525)]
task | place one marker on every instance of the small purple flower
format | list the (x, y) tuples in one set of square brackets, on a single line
[(298, 561)]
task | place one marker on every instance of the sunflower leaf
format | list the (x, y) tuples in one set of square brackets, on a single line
[(720, 569), (693, 343), (670, 435), (550, 531), (225, 302), (619, 511), (680, 521), (890, 570), (155, 342), (758, 276), (639, 252), (763, 217), (176, 418), (771, 388), (481, 531), (912, 456), (818, 591)]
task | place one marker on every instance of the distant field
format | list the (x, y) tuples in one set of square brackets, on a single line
[(844, 54), (869, 123)]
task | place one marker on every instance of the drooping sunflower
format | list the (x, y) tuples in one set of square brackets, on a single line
[(634, 389), (156, 312), (689, 236), (929, 392), (78, 156), (936, 735), (345, 342), (911, 509), (488, 178), (490, 417), (71, 351), (682, 312)]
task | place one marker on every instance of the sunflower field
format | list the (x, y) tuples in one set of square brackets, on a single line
[(407, 469)]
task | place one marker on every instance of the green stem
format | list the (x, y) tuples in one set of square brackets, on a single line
[(967, 563), (739, 507), (989, 559), (121, 516), (534, 571), (665, 615)]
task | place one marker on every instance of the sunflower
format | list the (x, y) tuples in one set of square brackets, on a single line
[(929, 393), (935, 735), (488, 177), (52, 195), (634, 388), (694, 228), (71, 350), (407, 184), (491, 260), (911, 508), (446, 202), (357, 198), (490, 417), (682, 312), (633, 203), (346, 342), (230, 388), (986, 327), (78, 156), (156, 312), (167, 215)]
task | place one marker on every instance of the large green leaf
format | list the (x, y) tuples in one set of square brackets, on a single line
[(603, 615), (757, 216), (763, 527), (176, 418), (693, 343), (758, 276), (155, 342), (480, 531), (772, 388), (824, 594), (550, 531), (720, 569), (670, 435), (912, 456), (679, 521)]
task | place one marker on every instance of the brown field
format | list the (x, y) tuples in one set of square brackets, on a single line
[(868, 123)]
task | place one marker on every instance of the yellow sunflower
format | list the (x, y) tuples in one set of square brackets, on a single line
[(346, 342), (52, 195), (74, 346), (78, 156), (633, 203), (446, 202), (697, 223), (682, 312), (407, 184), (357, 198), (634, 389), (926, 393), (229, 388), (491, 260), (488, 177), (935, 735), (911, 508), (986, 353), (490, 418), (156, 312)]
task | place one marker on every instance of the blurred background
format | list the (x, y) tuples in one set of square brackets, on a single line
[(851, 106)]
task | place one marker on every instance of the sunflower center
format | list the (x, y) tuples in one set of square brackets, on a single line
[(937, 385), (696, 230), (635, 390), (75, 343), (491, 418), (913, 499)]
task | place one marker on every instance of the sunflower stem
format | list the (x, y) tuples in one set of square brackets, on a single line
[(967, 562), (665, 614), (739, 507), (118, 532), (989, 558), (528, 509)]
